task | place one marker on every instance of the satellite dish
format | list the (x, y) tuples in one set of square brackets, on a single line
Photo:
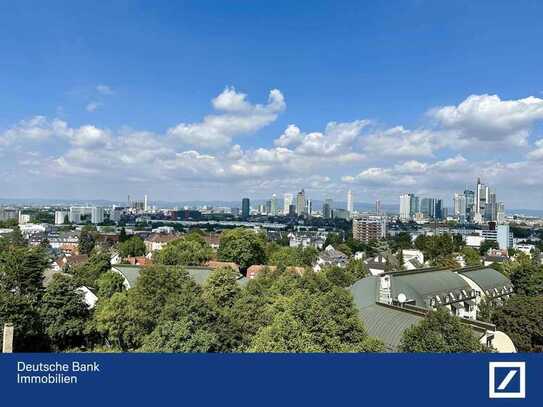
[(402, 298)]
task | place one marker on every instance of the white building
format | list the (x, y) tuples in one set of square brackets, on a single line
[(287, 201), (23, 219), (60, 216), (97, 215), (350, 202)]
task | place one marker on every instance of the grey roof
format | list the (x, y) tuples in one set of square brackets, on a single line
[(487, 278), (386, 323), (130, 273), (198, 274), (421, 286)]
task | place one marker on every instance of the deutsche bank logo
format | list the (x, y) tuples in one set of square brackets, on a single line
[(506, 380)]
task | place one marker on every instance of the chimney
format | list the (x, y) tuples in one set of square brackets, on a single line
[(7, 346)]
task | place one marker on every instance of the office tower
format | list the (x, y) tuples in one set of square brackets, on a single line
[(491, 209), (500, 215), (428, 207), (300, 203), (287, 201), (273, 206), (115, 214), (145, 207), (470, 204), (308, 207), (407, 209), (350, 203), (438, 209), (368, 228), (97, 215), (341, 214), (481, 198), (327, 208), (267, 207), (378, 207), (60, 216), (245, 208), (292, 210), (459, 206)]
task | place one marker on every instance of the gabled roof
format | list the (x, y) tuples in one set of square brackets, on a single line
[(487, 278)]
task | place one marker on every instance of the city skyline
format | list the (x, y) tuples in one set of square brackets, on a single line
[(207, 116)]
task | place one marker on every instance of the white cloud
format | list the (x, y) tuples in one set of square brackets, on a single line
[(104, 90), (537, 153), (93, 106), (487, 118), (238, 118)]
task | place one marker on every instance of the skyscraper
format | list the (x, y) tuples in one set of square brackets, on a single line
[(470, 204), (287, 201), (406, 202), (300, 203), (308, 207), (481, 198), (327, 208), (378, 207), (145, 207), (350, 203), (459, 206), (273, 208), (245, 208)]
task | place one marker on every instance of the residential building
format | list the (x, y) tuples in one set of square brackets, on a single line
[(368, 228), (60, 217), (391, 303), (97, 215), (330, 257)]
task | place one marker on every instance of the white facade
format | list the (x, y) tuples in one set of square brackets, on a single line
[(350, 202), (59, 217), (97, 214), (287, 201)]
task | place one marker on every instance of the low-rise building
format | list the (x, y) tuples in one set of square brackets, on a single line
[(330, 257)]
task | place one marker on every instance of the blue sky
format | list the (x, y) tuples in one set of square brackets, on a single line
[(102, 100)]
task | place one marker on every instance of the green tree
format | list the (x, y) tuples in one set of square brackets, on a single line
[(221, 288), (109, 283), (471, 256), (487, 245), (180, 336), (21, 269), (122, 235), (521, 318), (132, 247), (88, 273), (439, 332), (527, 278), (64, 313), (188, 251), (87, 241), (243, 247), (16, 237)]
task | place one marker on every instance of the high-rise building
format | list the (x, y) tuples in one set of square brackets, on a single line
[(308, 207), (378, 207), (500, 215), (300, 203), (327, 208), (60, 217), (287, 201), (368, 228), (145, 207), (245, 208), (97, 215), (428, 207), (470, 204), (408, 206), (504, 237), (481, 198), (273, 205), (350, 202), (459, 206), (75, 214)]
